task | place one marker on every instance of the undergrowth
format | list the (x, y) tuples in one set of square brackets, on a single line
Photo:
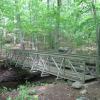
[(23, 91)]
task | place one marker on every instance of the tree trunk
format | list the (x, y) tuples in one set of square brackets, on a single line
[(18, 25), (57, 37), (50, 34), (97, 38)]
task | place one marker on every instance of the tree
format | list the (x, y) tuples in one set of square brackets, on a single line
[(57, 36), (51, 19), (97, 27)]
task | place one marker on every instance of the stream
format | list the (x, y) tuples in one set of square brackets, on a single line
[(12, 77)]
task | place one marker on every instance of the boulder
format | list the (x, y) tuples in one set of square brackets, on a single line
[(32, 92), (82, 98), (83, 92), (77, 85)]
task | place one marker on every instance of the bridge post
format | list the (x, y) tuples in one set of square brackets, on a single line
[(98, 53)]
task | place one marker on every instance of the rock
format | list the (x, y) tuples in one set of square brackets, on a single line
[(63, 49), (83, 92), (32, 92), (8, 76), (77, 85), (82, 98)]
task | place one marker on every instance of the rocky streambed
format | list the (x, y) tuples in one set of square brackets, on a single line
[(11, 77)]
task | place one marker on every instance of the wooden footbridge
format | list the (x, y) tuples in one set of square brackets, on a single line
[(67, 66)]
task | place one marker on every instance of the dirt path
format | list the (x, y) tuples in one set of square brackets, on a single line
[(62, 91), (65, 92)]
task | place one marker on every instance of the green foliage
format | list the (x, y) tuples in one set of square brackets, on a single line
[(26, 92), (34, 17), (23, 94)]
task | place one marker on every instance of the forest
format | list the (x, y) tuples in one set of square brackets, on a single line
[(52, 23), (44, 41)]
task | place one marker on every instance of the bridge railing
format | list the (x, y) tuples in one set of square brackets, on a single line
[(73, 67)]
